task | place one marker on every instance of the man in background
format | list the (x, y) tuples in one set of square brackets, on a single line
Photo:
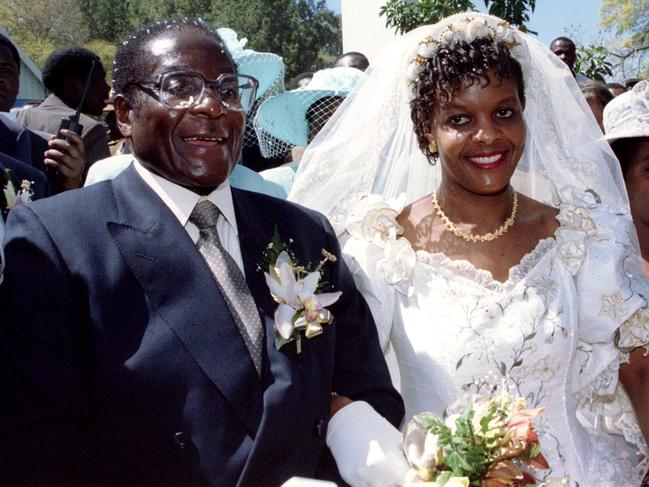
[(352, 59), (565, 50), (26, 152), (65, 75)]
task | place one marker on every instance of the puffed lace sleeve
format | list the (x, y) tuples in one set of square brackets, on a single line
[(380, 262), (612, 294)]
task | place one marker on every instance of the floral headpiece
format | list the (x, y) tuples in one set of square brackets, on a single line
[(463, 27)]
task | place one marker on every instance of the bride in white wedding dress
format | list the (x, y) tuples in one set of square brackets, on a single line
[(511, 261)]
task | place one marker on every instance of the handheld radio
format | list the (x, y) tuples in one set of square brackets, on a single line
[(72, 122)]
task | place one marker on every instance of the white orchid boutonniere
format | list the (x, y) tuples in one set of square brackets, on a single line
[(302, 310)]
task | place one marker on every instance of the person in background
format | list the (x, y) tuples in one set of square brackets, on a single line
[(64, 75), (631, 82), (352, 59), (626, 123), (291, 120), (616, 88), (301, 80), (565, 49), (597, 96), (66, 157), (117, 144)]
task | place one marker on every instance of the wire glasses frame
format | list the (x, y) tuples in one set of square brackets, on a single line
[(185, 89)]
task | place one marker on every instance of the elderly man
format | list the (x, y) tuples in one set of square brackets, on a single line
[(142, 344)]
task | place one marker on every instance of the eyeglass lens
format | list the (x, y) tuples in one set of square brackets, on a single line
[(184, 90)]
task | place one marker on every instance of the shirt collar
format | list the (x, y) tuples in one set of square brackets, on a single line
[(181, 201)]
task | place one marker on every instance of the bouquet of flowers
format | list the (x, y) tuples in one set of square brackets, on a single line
[(488, 442)]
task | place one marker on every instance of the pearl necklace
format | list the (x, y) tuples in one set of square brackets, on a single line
[(487, 237)]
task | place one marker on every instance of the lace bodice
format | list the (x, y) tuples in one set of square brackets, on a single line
[(547, 333)]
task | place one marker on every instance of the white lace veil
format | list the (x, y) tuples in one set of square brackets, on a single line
[(369, 145)]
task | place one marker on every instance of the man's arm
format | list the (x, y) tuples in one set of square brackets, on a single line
[(41, 359)]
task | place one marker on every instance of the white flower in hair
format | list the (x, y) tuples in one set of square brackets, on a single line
[(461, 28), (476, 29), (425, 49)]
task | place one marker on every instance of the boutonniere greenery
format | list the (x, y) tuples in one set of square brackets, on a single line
[(297, 290)]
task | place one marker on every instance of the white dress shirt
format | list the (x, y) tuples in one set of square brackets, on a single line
[(181, 201)]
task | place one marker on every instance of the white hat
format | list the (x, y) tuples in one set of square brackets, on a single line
[(627, 115)]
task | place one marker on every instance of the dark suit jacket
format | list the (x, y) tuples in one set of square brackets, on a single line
[(21, 143), (47, 117), (123, 364)]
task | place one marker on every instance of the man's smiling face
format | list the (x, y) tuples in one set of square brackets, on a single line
[(193, 147)]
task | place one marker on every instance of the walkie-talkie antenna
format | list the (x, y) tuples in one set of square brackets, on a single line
[(85, 90), (72, 122)]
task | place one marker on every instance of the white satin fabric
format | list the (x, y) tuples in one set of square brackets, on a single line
[(547, 334)]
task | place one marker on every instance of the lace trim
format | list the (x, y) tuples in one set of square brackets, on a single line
[(483, 277)]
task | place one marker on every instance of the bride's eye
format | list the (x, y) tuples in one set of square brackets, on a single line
[(458, 120), (504, 113)]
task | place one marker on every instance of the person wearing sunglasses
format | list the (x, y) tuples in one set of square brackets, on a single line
[(139, 341)]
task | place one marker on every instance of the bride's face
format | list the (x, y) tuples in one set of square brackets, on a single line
[(480, 135)]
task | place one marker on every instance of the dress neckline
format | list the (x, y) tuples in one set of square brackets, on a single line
[(484, 277)]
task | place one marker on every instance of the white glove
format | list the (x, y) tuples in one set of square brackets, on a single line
[(366, 447)]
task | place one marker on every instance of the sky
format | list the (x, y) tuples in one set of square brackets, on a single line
[(577, 19)]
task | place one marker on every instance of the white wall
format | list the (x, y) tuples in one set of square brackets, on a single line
[(363, 30)]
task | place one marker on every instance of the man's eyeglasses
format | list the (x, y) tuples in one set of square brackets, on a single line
[(185, 89)]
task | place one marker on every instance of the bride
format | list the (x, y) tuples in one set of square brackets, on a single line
[(487, 225)]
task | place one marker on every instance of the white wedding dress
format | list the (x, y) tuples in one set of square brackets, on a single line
[(554, 333)]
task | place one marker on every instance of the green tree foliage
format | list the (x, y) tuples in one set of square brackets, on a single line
[(56, 21), (629, 20), (593, 62), (405, 15), (304, 32)]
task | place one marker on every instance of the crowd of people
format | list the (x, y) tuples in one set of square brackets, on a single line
[(208, 279)]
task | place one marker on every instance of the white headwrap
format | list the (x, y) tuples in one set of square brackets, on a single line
[(370, 146)]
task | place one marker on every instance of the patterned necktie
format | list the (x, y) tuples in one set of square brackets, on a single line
[(229, 278)]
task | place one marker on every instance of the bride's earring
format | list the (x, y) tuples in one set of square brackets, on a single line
[(432, 147)]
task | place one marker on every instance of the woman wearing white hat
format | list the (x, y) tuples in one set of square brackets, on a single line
[(626, 121)]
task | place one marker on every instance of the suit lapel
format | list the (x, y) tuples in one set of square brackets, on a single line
[(183, 292)]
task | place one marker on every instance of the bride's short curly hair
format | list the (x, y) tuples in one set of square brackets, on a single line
[(462, 64)]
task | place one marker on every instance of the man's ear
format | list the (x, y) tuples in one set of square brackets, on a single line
[(124, 113)]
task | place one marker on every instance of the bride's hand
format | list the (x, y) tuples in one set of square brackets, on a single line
[(366, 447)]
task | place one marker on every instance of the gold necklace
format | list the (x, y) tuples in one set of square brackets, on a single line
[(487, 237)]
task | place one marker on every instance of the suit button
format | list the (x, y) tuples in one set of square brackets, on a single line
[(180, 440), (320, 427)]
